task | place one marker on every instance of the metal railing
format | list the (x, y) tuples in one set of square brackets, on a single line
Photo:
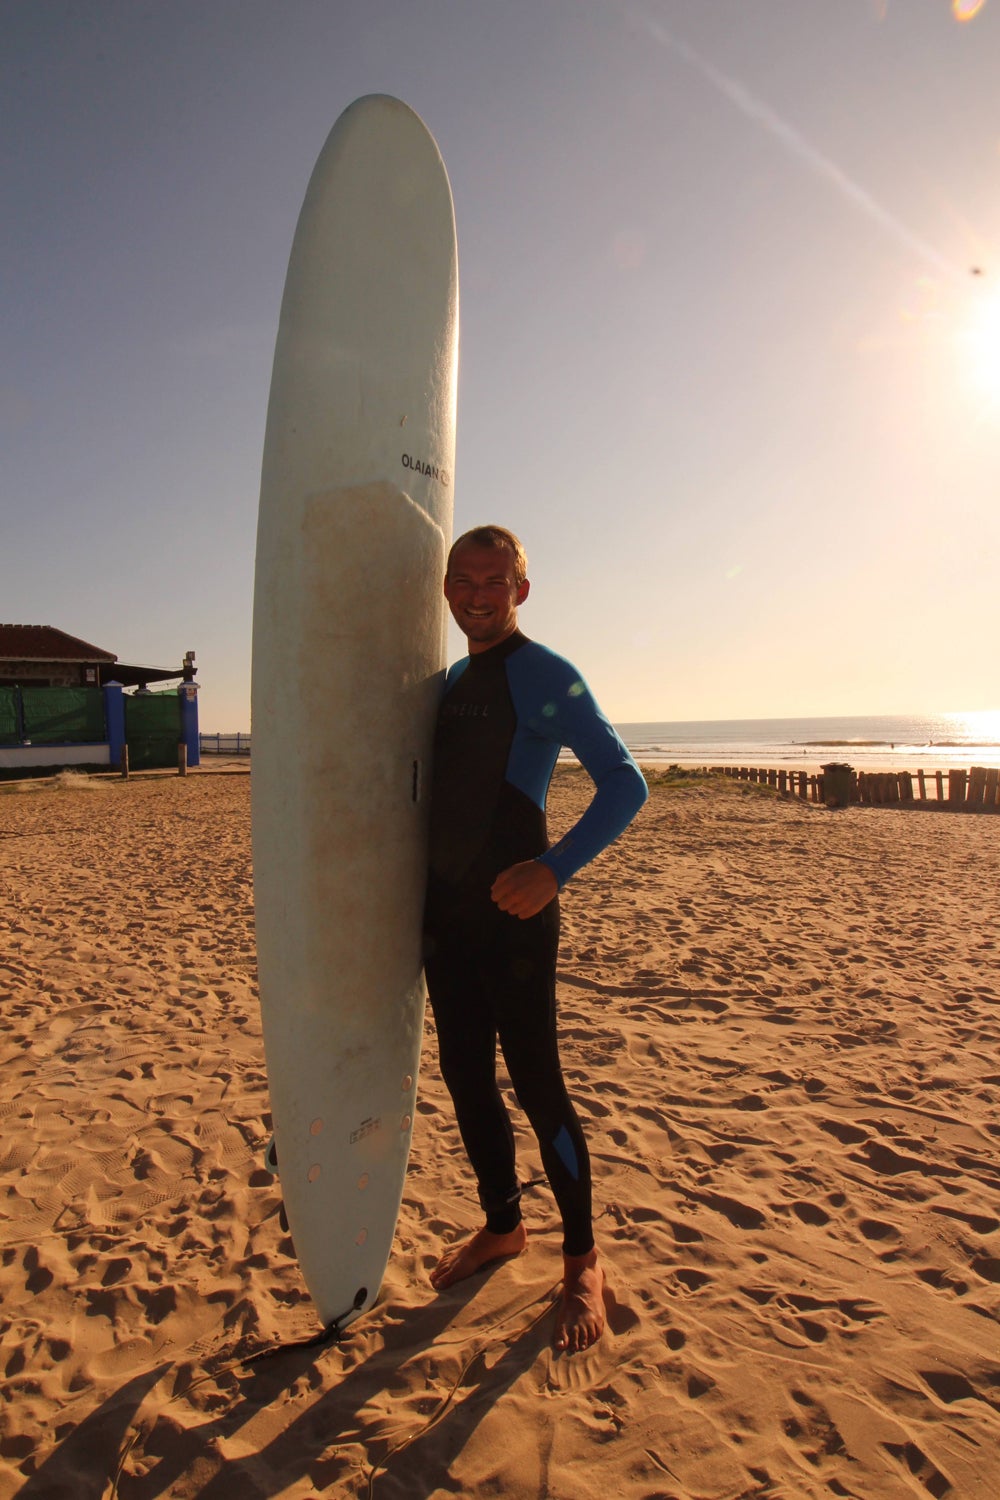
[(224, 744)]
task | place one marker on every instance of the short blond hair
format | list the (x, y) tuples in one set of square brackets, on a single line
[(498, 538)]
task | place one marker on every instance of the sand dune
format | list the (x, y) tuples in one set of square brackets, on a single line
[(781, 1027)]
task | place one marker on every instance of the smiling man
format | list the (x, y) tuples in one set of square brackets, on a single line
[(492, 915)]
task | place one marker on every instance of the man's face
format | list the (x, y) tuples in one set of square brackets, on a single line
[(483, 595)]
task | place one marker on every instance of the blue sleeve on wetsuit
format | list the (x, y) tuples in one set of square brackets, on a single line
[(453, 673), (555, 707)]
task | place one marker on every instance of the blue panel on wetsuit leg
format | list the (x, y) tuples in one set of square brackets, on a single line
[(567, 1153)]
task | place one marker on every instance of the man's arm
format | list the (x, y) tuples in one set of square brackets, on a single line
[(560, 708), (619, 793)]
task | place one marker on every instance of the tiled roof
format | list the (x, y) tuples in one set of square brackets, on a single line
[(46, 643)]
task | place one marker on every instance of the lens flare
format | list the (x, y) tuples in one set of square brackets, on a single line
[(628, 249), (966, 10), (923, 301)]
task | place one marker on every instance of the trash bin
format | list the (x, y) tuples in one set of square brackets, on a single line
[(837, 784)]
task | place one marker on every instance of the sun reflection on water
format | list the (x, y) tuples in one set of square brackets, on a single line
[(981, 726)]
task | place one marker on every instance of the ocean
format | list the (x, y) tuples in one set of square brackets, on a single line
[(896, 742), (900, 742)]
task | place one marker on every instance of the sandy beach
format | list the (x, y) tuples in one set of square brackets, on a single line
[(782, 1029)]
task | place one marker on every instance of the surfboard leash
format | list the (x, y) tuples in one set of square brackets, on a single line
[(485, 1342), (332, 1333)]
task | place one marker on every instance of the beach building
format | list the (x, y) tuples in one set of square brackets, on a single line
[(42, 656), (65, 702)]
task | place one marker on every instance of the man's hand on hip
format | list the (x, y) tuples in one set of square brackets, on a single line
[(522, 890)]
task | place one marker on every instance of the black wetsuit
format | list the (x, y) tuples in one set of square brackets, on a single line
[(504, 716)]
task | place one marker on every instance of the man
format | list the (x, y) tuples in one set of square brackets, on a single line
[(492, 916)]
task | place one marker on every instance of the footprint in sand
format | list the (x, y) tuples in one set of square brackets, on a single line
[(914, 1462), (878, 1229), (692, 1279), (810, 1213)]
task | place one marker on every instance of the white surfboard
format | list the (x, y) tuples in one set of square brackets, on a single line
[(348, 649)]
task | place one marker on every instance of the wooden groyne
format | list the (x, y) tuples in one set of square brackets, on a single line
[(975, 790)]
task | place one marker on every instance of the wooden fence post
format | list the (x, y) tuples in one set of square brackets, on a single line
[(974, 790), (977, 788), (123, 764), (990, 792)]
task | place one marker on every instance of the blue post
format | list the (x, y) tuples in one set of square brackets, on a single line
[(114, 721), (188, 695)]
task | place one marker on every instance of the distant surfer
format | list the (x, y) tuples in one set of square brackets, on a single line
[(492, 913)]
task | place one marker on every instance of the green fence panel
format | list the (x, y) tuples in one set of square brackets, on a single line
[(8, 716), (152, 729), (63, 715)]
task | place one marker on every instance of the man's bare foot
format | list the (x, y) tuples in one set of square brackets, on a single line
[(465, 1260), (580, 1322)]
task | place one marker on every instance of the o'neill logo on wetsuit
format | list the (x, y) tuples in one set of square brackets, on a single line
[(464, 710), (431, 470)]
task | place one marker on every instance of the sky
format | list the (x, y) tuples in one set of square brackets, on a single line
[(730, 327)]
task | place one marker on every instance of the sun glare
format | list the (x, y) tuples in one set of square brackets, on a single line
[(964, 10), (979, 347), (979, 725)]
